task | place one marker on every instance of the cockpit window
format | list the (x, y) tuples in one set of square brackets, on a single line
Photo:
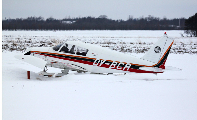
[(67, 48), (64, 48), (56, 48), (72, 49), (82, 51)]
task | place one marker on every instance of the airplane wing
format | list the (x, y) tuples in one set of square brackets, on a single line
[(36, 64), (31, 63), (32, 60), (66, 65)]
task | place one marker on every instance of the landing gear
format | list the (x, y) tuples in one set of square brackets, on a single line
[(109, 73), (64, 72), (44, 72), (45, 69), (80, 71)]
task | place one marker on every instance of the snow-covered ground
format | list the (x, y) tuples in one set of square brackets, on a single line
[(168, 96)]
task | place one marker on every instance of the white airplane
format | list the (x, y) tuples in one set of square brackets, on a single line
[(84, 57)]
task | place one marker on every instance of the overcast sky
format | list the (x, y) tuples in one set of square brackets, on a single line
[(114, 9)]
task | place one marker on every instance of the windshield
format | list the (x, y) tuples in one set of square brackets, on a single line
[(71, 49)]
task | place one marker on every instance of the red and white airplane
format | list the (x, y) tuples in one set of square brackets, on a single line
[(83, 57)]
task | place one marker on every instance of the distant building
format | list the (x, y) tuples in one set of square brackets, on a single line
[(68, 22)]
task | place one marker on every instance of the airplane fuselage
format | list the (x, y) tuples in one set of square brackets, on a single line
[(79, 56), (99, 62)]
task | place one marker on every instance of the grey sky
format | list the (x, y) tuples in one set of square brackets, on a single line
[(114, 9)]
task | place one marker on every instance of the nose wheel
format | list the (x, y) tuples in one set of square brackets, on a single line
[(45, 69), (44, 73)]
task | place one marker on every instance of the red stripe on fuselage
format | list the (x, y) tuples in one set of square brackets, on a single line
[(91, 63)]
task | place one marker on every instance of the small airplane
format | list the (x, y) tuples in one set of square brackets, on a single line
[(83, 57)]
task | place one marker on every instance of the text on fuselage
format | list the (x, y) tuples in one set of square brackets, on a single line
[(112, 64)]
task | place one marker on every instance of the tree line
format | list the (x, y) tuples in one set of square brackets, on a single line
[(93, 23), (191, 25)]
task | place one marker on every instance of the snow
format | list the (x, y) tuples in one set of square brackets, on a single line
[(168, 96), (95, 35)]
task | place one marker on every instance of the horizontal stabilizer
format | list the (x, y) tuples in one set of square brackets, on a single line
[(172, 68), (154, 69), (37, 62)]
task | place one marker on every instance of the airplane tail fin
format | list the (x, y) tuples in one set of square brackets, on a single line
[(158, 53)]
